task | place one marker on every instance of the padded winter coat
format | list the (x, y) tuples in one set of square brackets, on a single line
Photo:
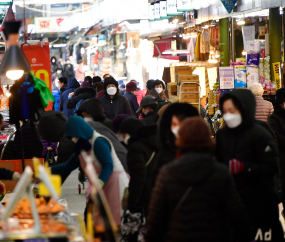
[(208, 212), (113, 107), (133, 103), (263, 109)]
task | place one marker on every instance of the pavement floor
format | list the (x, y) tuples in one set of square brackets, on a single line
[(76, 202)]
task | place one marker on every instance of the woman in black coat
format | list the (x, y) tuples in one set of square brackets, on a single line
[(112, 101), (277, 123), (194, 198), (141, 159), (251, 155)]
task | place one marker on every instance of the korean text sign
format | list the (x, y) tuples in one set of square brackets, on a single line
[(227, 80)]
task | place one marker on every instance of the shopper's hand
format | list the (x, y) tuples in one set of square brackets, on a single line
[(49, 148), (16, 176), (100, 184), (71, 94), (236, 166)]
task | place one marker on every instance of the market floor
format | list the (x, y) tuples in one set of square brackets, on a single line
[(76, 202)]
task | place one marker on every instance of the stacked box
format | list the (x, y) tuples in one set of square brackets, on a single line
[(240, 77), (187, 78), (172, 88)]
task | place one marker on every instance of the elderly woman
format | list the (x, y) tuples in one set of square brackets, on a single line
[(263, 108)]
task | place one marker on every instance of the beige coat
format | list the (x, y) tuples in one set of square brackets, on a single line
[(263, 109)]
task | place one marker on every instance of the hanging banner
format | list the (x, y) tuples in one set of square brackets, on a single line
[(277, 74), (229, 5), (227, 80), (156, 11), (163, 12), (184, 5), (248, 33), (39, 59), (172, 7), (151, 12)]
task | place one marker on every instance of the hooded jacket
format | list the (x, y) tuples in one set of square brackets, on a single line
[(73, 84), (80, 94), (277, 123), (253, 145), (208, 212), (56, 96), (141, 148)]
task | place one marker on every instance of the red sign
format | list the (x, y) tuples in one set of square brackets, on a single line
[(39, 59), (58, 21), (44, 24)]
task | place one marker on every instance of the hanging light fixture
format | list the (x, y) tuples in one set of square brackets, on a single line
[(241, 22), (14, 64)]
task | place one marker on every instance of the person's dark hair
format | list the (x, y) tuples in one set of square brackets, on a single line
[(157, 82), (1, 118), (152, 106), (96, 79), (88, 79), (235, 101), (63, 80), (149, 84), (105, 76), (94, 108), (181, 111), (79, 62)]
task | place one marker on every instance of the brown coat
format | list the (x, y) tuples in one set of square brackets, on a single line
[(263, 109)]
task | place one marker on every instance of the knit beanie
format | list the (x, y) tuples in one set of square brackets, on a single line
[(85, 84), (131, 86), (52, 126), (117, 122), (108, 81), (97, 79), (194, 134), (130, 126), (93, 107), (122, 88)]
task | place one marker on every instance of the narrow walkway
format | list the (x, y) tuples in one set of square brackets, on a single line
[(76, 202)]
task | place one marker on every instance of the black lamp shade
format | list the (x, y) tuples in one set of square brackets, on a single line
[(13, 60)]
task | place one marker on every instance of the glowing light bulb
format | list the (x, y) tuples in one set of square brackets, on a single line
[(14, 74)]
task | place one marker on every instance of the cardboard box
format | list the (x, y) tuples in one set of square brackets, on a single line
[(172, 88), (190, 95), (187, 78), (173, 98), (16, 166), (190, 88), (189, 100)]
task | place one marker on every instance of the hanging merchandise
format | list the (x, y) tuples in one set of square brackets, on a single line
[(248, 33), (240, 77), (252, 75), (204, 46), (253, 53), (156, 11), (184, 5), (163, 12)]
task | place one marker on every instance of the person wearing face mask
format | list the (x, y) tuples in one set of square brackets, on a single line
[(251, 155), (93, 113), (54, 65), (276, 122), (112, 101), (117, 124), (130, 94), (147, 109), (168, 127), (158, 91), (112, 178)]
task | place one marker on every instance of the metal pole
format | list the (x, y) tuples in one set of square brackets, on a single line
[(224, 42), (233, 39)]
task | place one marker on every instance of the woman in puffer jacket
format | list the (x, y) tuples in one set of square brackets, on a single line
[(263, 108)]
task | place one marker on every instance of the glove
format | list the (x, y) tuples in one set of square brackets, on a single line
[(236, 166), (16, 176), (81, 144), (100, 184)]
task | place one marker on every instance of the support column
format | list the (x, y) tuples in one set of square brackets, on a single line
[(224, 42), (233, 40), (274, 37)]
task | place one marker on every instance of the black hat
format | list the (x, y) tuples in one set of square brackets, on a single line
[(110, 80), (93, 107), (146, 101), (130, 126), (280, 96)]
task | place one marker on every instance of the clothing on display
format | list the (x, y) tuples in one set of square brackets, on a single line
[(197, 47), (204, 46)]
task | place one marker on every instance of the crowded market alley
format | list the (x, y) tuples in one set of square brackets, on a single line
[(142, 121)]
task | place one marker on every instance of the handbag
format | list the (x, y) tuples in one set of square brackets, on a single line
[(126, 190)]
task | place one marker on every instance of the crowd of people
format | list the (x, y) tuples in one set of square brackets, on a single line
[(157, 159)]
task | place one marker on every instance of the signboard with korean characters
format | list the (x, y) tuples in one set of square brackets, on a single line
[(50, 24), (172, 7), (184, 5), (227, 78)]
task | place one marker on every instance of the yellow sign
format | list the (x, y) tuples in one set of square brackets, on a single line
[(277, 74)]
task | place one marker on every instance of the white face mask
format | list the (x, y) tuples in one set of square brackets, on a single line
[(120, 137), (88, 119), (158, 90), (74, 139), (232, 120), (175, 131), (126, 139), (112, 90)]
